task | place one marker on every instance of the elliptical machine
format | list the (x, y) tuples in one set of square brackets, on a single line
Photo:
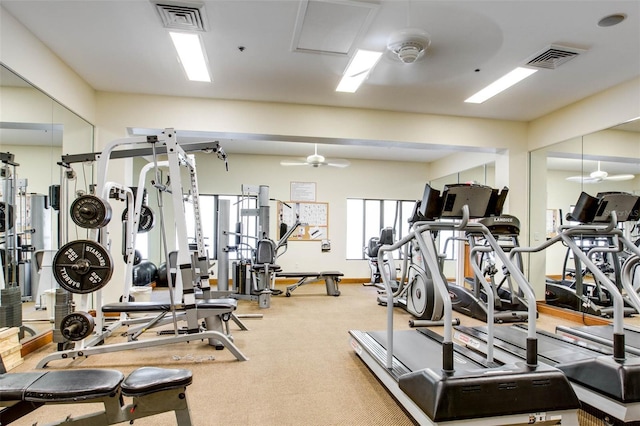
[(371, 251), (412, 285), (589, 296), (508, 301)]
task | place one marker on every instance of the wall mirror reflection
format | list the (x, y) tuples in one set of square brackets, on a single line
[(35, 131), (597, 163)]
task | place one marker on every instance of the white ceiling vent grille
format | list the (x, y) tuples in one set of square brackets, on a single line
[(554, 56), (182, 16)]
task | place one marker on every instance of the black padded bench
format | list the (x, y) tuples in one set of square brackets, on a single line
[(154, 390), (331, 280), (207, 305), (210, 309)]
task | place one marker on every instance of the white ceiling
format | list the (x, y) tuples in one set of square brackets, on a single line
[(121, 46)]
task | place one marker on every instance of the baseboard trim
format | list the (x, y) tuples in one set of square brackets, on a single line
[(571, 315), (36, 342)]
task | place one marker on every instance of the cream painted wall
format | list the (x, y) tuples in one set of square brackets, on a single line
[(116, 111), (36, 165), (21, 51), (601, 111)]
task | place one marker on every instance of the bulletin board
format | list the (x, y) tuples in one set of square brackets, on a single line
[(314, 219)]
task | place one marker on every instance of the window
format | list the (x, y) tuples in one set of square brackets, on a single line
[(366, 217), (448, 244)]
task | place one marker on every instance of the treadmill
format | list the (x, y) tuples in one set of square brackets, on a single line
[(442, 383), (605, 378)]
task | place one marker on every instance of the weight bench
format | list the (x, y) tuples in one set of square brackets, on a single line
[(154, 391), (331, 280), (214, 312)]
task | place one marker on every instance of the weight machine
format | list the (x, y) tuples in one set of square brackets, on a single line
[(84, 267), (15, 277), (253, 274)]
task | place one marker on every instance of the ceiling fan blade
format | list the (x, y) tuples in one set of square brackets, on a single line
[(583, 179), (293, 163), (620, 177), (335, 162)]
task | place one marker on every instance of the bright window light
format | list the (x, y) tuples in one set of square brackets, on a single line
[(191, 55), (358, 70), (501, 84)]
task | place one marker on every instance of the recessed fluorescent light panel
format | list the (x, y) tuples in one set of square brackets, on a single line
[(358, 70), (191, 54), (500, 85)]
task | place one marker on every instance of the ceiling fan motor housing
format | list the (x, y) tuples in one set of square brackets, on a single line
[(409, 44)]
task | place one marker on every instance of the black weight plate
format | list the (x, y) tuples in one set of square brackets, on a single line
[(89, 211), (6, 216), (76, 326), (82, 266), (147, 219)]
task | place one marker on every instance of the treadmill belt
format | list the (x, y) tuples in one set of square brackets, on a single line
[(417, 351), (631, 338), (553, 350)]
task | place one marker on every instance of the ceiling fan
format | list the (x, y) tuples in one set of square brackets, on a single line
[(599, 176), (316, 160)]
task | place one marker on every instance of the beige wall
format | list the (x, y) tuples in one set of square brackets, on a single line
[(21, 51)]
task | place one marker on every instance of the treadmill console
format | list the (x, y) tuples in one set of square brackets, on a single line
[(590, 209), (624, 204), (482, 200), (431, 203)]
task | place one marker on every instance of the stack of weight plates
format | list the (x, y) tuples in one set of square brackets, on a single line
[(10, 307)]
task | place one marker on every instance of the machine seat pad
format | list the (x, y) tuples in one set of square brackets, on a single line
[(331, 273), (136, 307), (226, 303), (13, 385), (262, 266), (146, 380), (118, 307), (297, 274), (74, 385), (309, 274)]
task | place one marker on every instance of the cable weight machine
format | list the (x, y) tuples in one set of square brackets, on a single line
[(89, 262)]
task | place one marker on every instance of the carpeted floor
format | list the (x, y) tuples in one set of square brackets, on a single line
[(301, 368)]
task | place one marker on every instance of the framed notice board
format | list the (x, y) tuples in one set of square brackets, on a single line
[(314, 219)]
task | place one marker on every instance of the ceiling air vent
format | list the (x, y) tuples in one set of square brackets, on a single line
[(554, 56), (182, 16)]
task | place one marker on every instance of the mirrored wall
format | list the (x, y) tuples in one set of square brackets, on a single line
[(35, 131), (608, 160)]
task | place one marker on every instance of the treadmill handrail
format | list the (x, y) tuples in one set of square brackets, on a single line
[(473, 260), (523, 284), (618, 303), (389, 291), (627, 280)]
